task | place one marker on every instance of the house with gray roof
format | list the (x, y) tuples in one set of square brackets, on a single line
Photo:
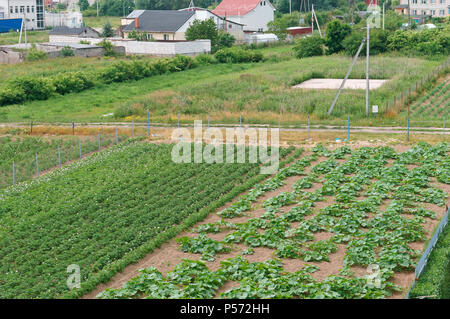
[(83, 32), (171, 25)]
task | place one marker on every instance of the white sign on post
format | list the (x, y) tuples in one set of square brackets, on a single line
[(374, 108)]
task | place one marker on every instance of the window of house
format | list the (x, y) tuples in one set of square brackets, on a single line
[(424, 1), (442, 12), (28, 9), (432, 12), (166, 37), (415, 12), (11, 9), (16, 9), (414, 1), (22, 9), (32, 9), (230, 26), (149, 36), (432, 1)]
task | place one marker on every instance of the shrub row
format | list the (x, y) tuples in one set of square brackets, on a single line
[(27, 88), (238, 55)]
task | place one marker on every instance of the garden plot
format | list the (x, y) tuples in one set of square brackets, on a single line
[(334, 84), (311, 231)]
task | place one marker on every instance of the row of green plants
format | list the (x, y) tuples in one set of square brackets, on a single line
[(23, 150), (23, 89), (435, 102), (381, 240), (104, 213)]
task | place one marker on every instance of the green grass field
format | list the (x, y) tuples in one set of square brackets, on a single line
[(258, 91), (32, 37), (99, 22)]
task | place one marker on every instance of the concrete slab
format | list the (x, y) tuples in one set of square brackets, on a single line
[(334, 84)]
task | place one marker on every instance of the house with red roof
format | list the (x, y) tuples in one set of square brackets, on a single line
[(253, 14)]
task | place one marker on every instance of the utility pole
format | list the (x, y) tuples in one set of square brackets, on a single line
[(383, 13), (97, 7), (290, 6), (409, 14), (367, 68), (346, 77)]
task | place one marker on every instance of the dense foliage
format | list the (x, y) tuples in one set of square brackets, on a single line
[(309, 46)]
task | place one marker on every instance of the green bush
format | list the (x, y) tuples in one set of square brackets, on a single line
[(34, 54), (11, 96), (336, 33), (67, 51), (378, 43), (205, 59), (108, 46), (72, 82), (238, 55), (309, 46), (34, 88)]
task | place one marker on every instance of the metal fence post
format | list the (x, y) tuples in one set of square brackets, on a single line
[(37, 165), (348, 129), (407, 131), (14, 173), (73, 128), (309, 128), (279, 121), (148, 122), (79, 147), (59, 156), (99, 143), (31, 128)]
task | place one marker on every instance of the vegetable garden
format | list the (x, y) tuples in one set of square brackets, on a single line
[(324, 219), (103, 213), (435, 103)]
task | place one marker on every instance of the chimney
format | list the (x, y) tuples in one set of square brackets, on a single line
[(136, 23)]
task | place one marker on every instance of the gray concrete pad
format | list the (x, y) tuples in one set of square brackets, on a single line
[(334, 84)]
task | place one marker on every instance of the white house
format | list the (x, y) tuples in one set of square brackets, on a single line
[(253, 14), (171, 25), (32, 11), (424, 8)]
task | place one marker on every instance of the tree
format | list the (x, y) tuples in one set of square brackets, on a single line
[(309, 46), (224, 40), (336, 33), (108, 30), (279, 25), (83, 4), (202, 30)]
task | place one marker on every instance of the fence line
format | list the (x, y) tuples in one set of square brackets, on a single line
[(424, 259), (416, 87), (35, 161)]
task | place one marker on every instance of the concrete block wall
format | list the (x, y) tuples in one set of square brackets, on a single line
[(162, 49)]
